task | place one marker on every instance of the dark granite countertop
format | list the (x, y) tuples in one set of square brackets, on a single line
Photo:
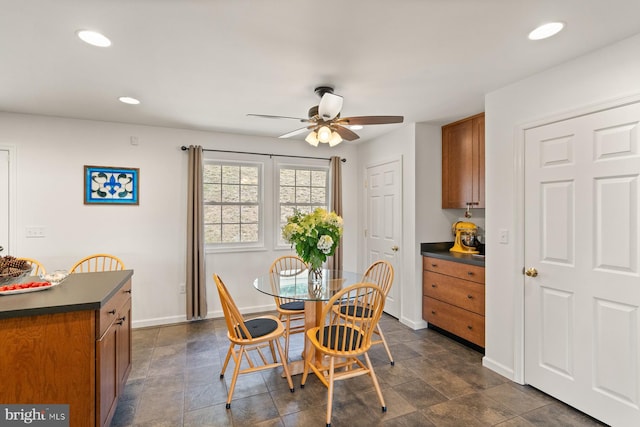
[(441, 250), (79, 291)]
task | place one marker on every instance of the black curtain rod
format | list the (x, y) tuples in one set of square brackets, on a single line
[(183, 148)]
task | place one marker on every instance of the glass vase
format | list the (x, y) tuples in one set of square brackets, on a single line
[(315, 277)]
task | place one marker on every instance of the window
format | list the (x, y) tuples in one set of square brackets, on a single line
[(300, 187), (232, 195)]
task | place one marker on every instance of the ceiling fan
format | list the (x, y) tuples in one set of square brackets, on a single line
[(326, 125)]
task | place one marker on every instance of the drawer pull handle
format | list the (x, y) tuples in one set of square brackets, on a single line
[(121, 320), (433, 285), (470, 273), (128, 291), (470, 296), (112, 312), (433, 312), (470, 327), (434, 265)]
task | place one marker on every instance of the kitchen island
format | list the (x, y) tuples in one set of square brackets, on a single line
[(70, 344)]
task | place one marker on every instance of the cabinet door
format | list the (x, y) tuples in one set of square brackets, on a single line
[(478, 155), (457, 164), (107, 380), (124, 345), (463, 163)]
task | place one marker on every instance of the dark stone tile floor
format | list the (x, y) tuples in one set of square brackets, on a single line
[(175, 382)]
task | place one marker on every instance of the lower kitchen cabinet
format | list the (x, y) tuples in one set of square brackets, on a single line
[(70, 344), (453, 298)]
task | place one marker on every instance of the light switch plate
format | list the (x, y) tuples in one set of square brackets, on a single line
[(34, 232), (503, 236)]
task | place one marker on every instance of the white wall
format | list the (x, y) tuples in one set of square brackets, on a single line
[(599, 77), (151, 237)]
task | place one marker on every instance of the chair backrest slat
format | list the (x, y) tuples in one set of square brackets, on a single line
[(381, 274), (232, 315), (97, 262), (285, 266), (361, 305)]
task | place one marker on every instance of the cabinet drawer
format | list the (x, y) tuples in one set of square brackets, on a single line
[(462, 323), (109, 312), (462, 293), (474, 273)]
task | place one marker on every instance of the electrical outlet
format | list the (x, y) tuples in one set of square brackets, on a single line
[(182, 288), (503, 236)]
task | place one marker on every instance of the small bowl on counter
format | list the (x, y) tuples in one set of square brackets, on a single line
[(56, 277)]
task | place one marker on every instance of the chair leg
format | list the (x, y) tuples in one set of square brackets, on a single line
[(307, 361), (285, 366), (332, 362), (273, 352), (226, 360), (378, 331), (287, 333), (375, 382), (236, 371)]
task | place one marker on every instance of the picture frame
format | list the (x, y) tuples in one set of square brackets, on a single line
[(108, 185)]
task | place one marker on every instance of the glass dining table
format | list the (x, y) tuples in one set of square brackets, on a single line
[(296, 285)]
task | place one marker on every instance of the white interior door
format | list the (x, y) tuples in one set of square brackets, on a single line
[(582, 206), (4, 201), (384, 223)]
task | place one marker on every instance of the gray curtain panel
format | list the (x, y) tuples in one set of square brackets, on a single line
[(335, 173), (196, 280)]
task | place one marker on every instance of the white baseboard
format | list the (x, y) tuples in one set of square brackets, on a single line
[(412, 324), (158, 321), (498, 368), (171, 320)]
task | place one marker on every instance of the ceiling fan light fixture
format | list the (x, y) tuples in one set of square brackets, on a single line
[(312, 138), (324, 134), (330, 106), (335, 139), (356, 127)]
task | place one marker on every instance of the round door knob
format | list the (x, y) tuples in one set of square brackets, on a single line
[(532, 272), (394, 248)]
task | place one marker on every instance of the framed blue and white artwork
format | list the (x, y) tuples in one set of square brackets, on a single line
[(111, 185)]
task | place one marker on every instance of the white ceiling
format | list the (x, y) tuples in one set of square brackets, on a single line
[(205, 64)]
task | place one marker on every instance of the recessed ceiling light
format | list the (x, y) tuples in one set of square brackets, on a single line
[(546, 30), (356, 127), (93, 38), (129, 100)]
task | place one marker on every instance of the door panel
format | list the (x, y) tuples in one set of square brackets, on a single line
[(384, 213), (582, 202)]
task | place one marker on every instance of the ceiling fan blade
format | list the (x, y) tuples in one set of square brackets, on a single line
[(294, 133), (330, 106), (370, 120), (267, 116), (346, 134)]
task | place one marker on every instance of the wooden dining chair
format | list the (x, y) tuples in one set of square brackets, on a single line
[(250, 335), (381, 274), (290, 311), (36, 266), (344, 339), (97, 262)]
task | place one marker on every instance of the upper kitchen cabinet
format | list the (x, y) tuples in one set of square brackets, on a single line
[(463, 163)]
